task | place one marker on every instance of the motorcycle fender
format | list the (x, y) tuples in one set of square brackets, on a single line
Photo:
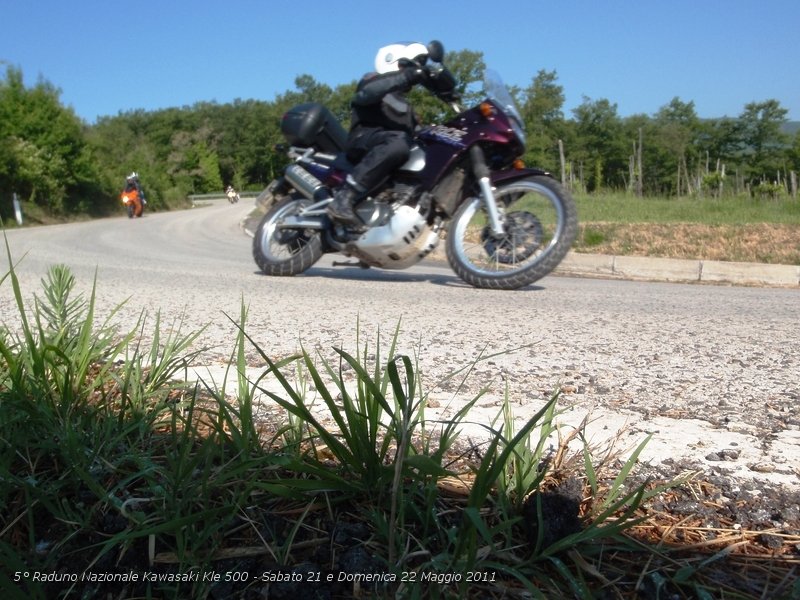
[(275, 190), (510, 175)]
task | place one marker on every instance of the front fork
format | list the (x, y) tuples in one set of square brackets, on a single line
[(482, 174)]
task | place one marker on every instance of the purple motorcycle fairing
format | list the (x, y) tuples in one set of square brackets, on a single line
[(445, 144)]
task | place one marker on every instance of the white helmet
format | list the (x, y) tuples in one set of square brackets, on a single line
[(389, 57)]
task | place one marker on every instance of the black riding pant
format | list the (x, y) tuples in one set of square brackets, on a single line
[(376, 153)]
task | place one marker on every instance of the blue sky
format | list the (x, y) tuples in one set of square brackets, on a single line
[(108, 56)]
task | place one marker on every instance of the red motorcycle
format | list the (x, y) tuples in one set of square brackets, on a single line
[(505, 226), (133, 203)]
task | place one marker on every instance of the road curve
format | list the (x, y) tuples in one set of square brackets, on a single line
[(701, 367)]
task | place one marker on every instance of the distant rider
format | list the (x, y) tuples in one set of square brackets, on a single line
[(132, 184)]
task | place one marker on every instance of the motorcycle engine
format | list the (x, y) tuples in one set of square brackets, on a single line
[(400, 236), (378, 209)]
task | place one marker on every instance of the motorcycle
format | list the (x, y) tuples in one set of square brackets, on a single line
[(505, 226), (133, 203)]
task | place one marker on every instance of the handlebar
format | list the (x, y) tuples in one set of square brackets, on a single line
[(442, 83), (440, 79)]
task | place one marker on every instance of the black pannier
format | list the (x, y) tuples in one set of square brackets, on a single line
[(312, 124)]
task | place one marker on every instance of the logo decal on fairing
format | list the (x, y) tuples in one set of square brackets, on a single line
[(448, 135)]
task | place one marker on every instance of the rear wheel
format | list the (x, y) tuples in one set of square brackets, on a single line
[(539, 222), (285, 252)]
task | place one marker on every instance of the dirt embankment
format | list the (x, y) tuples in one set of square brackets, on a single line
[(757, 243)]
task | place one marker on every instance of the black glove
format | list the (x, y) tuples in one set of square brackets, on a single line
[(415, 75), (443, 83)]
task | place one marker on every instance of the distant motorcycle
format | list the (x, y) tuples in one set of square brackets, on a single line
[(133, 203), (233, 195), (505, 226)]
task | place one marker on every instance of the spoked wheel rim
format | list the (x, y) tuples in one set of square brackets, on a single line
[(534, 222), (279, 244), (524, 235)]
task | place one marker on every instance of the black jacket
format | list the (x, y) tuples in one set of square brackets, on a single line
[(380, 102)]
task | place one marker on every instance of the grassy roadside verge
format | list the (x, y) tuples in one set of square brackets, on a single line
[(729, 229), (112, 470)]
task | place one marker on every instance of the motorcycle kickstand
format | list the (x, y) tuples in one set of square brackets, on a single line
[(361, 264)]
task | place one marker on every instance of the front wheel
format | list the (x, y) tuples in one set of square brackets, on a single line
[(540, 223), (285, 252)]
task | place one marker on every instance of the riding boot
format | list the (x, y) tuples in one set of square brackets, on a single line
[(341, 209)]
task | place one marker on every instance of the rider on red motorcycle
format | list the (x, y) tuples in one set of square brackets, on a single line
[(133, 195), (382, 122)]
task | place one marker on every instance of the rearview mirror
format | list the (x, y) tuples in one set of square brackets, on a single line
[(436, 51)]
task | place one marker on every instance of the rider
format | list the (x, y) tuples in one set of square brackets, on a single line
[(382, 123), (132, 184)]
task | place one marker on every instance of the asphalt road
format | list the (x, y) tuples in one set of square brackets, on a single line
[(685, 362)]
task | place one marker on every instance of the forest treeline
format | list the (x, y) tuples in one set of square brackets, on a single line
[(51, 158)]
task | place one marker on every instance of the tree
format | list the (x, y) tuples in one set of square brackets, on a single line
[(793, 157), (193, 164), (673, 152), (209, 178), (541, 106), (762, 142), (793, 154), (720, 139), (245, 135), (43, 153), (600, 145)]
